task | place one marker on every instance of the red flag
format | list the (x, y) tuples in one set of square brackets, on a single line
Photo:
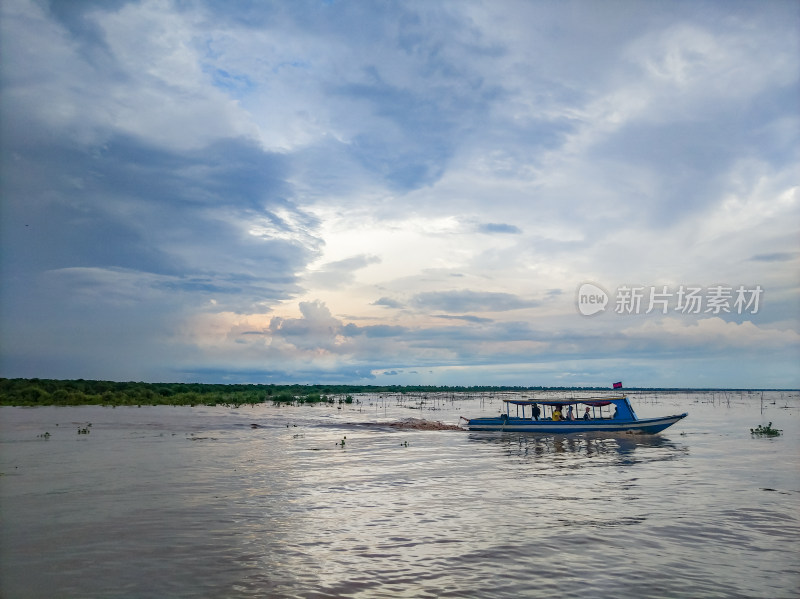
[(618, 385)]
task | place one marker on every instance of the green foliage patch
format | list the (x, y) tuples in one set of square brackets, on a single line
[(765, 431)]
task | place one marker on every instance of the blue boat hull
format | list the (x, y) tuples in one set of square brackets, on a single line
[(646, 426)]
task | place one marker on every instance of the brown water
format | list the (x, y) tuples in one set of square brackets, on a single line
[(194, 502)]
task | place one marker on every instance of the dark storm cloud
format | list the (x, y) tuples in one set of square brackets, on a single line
[(132, 206)]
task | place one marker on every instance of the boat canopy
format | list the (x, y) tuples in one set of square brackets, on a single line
[(594, 402), (623, 409)]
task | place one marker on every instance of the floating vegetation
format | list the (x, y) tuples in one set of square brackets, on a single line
[(765, 431), (342, 442)]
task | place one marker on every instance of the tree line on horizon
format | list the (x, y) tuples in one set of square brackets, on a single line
[(79, 392)]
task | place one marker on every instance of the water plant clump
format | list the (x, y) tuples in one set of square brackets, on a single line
[(765, 431)]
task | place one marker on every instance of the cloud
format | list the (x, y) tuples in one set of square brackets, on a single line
[(388, 303), (203, 189), (341, 272), (316, 329), (466, 317), (498, 228), (775, 257), (384, 330), (712, 335), (191, 216), (466, 300)]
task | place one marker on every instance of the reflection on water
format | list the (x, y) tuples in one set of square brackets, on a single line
[(183, 502), (611, 449)]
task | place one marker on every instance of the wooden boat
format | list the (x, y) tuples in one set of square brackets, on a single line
[(606, 414)]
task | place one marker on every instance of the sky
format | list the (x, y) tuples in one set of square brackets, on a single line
[(426, 192)]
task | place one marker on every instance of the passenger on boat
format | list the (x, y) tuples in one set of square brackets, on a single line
[(557, 414), (536, 411), (570, 415), (586, 414)]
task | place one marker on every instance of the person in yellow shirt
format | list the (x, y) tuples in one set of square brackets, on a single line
[(557, 414)]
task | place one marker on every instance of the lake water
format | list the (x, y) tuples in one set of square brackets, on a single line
[(195, 502)]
